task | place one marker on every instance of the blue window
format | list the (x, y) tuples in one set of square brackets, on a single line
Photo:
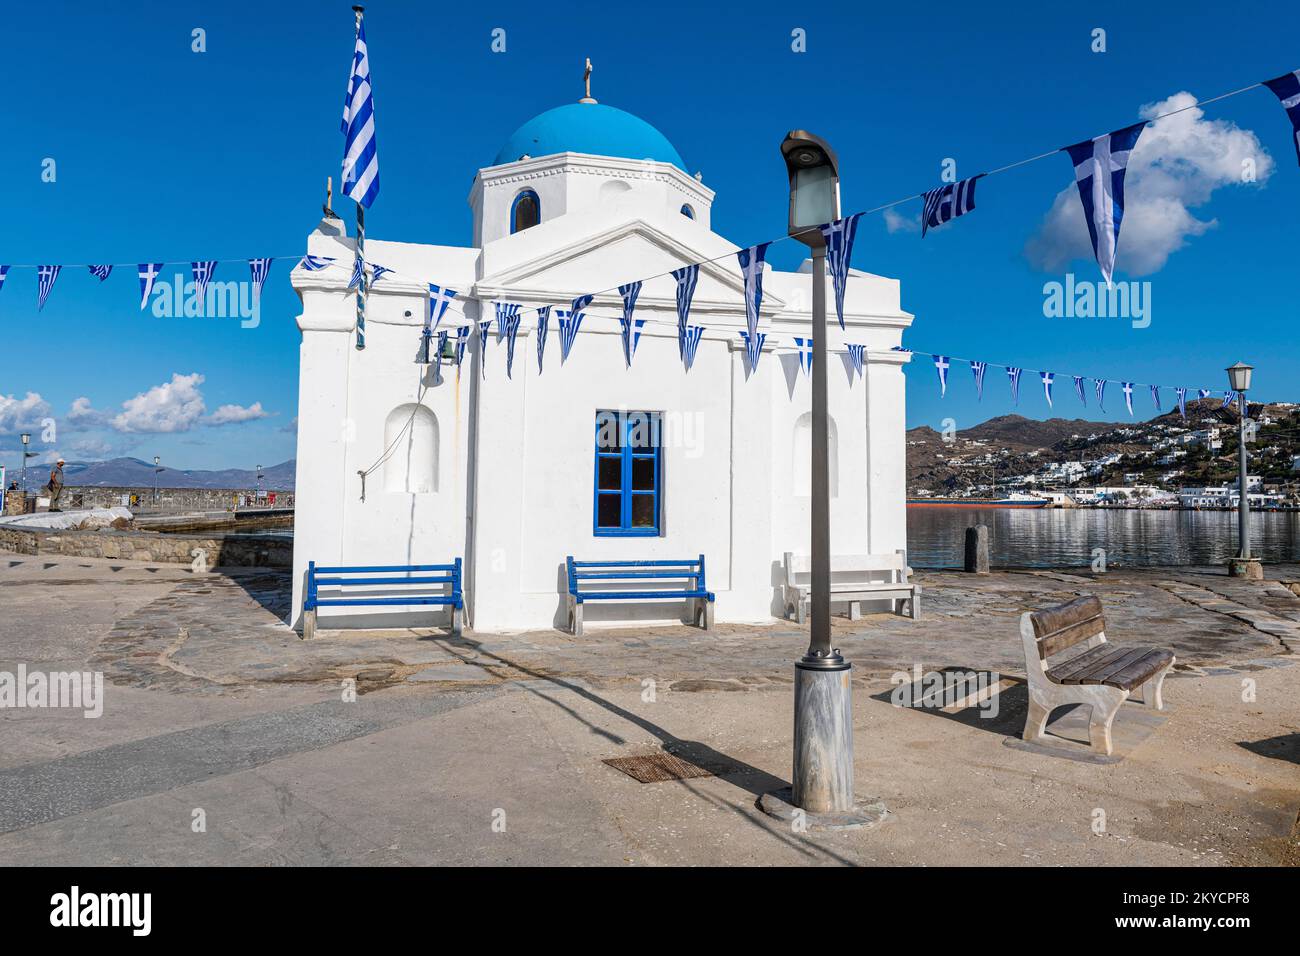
[(688, 212), (525, 211), (629, 474)]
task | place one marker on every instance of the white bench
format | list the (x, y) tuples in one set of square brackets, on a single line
[(854, 578)]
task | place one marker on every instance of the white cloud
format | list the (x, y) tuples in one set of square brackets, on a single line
[(16, 413), (81, 415), (1177, 165), (175, 406), (234, 414), (896, 222)]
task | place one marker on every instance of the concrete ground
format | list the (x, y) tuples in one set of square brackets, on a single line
[(225, 739)]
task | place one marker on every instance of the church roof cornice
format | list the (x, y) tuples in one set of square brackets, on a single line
[(585, 164)]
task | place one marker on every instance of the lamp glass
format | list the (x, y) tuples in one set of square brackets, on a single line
[(1239, 377), (816, 197)]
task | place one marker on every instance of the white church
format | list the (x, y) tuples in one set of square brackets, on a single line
[(463, 461)]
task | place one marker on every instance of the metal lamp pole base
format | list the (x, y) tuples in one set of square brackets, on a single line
[(822, 797)]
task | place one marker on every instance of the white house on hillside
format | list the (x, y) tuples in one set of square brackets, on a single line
[(504, 472)]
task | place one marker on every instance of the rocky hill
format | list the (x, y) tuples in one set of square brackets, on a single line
[(134, 473)]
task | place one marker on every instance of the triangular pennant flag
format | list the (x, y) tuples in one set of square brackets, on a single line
[(462, 339), (1048, 378), (483, 327), (1099, 167), (316, 263), (1287, 89), (1155, 397), (1101, 393), (543, 320), (1181, 394), (978, 369), (570, 322), (753, 348), (512, 330), (377, 272), (148, 271), (202, 272), (941, 367), (1128, 396), (856, 356), (947, 202), (691, 343), (100, 272), (839, 236), (45, 277), (751, 267), (1204, 393), (4, 271), (442, 348), (358, 272), (1013, 374), (686, 277), (631, 327), (805, 347), (1228, 398), (1079, 390), (260, 269), (439, 298)]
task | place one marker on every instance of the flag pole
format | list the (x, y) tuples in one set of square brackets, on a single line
[(361, 244)]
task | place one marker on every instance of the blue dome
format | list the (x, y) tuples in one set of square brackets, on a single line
[(589, 128)]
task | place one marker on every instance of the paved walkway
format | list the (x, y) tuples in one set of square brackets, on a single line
[(489, 748)]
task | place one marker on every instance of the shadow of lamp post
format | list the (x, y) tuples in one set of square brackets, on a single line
[(1243, 565)]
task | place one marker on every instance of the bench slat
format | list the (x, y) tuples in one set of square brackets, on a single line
[(635, 575), (371, 569), (364, 582), (639, 595), (410, 599), (1140, 670), (637, 564), (1054, 619), (1064, 672), (1068, 636), (1101, 673)]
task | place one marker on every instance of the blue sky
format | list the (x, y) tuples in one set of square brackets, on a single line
[(162, 153)]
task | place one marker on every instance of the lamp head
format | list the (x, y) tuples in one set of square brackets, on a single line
[(814, 185), (26, 437), (1239, 376)]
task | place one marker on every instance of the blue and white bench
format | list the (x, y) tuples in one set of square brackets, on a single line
[(423, 584), (628, 574)]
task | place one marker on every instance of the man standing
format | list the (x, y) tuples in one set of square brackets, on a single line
[(55, 485)]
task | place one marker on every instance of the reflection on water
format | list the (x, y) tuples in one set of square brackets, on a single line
[(1066, 537)]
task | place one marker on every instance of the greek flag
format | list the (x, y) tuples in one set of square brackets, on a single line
[(1228, 398), (316, 263), (149, 271), (839, 236), (1155, 397), (1101, 394), (543, 319), (690, 344), (202, 276), (631, 327), (941, 366), (1048, 378), (4, 271), (1128, 396), (483, 327), (358, 270), (1013, 374), (753, 348), (462, 339), (686, 278), (751, 266), (439, 298), (377, 272), (899, 348), (805, 347), (442, 347), (569, 324), (580, 303), (1205, 393), (947, 202), (260, 268), (1078, 390), (511, 323), (857, 355), (45, 277), (1099, 167), (360, 156), (978, 369), (100, 272), (1287, 89), (1181, 393)]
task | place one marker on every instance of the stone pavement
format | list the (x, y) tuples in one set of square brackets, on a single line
[(489, 748)]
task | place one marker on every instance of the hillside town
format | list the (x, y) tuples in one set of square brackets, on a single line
[(1168, 462)]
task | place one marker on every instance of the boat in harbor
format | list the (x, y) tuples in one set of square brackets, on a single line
[(1015, 500)]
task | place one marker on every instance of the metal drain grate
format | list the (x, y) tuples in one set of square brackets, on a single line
[(656, 768)]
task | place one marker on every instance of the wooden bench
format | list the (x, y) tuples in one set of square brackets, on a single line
[(632, 573), (1094, 672), (381, 588), (852, 582)]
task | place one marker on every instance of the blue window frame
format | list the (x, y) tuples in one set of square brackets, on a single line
[(525, 211), (629, 474), (687, 211)]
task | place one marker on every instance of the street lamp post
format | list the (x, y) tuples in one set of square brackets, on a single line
[(1243, 565), (822, 791), (26, 438), (156, 469), (259, 482)]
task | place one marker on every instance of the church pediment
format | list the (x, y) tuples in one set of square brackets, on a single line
[(606, 258)]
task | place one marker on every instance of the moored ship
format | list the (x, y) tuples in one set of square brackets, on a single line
[(1016, 500)]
